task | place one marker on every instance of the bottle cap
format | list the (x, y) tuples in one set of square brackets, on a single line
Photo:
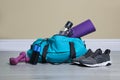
[(68, 25)]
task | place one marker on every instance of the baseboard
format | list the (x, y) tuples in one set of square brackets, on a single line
[(113, 44), (24, 44)]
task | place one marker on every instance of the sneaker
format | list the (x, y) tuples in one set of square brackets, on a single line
[(97, 60), (87, 54)]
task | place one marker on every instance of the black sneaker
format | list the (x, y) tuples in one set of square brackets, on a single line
[(97, 60), (87, 54)]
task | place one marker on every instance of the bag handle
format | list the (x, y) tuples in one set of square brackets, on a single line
[(72, 50), (44, 53)]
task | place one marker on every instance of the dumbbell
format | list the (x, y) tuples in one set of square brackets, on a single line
[(26, 59), (14, 61)]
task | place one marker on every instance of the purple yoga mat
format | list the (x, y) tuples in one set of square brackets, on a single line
[(82, 29)]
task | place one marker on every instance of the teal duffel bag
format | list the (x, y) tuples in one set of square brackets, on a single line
[(58, 49)]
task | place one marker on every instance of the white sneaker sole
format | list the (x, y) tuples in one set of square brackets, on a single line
[(76, 62), (107, 63)]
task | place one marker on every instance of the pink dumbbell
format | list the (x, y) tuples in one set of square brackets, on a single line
[(26, 59), (14, 61)]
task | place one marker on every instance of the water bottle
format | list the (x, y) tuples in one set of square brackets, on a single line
[(66, 29)]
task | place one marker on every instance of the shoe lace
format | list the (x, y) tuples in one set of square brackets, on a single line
[(94, 55)]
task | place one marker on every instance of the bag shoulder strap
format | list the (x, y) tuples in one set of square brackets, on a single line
[(44, 53), (72, 50)]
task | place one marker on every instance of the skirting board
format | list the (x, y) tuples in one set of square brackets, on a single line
[(24, 44)]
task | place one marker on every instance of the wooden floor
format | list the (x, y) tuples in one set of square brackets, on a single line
[(23, 71)]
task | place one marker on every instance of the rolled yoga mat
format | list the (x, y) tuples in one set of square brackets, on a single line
[(82, 29)]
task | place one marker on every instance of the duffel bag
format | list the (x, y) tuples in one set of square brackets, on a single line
[(57, 49)]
